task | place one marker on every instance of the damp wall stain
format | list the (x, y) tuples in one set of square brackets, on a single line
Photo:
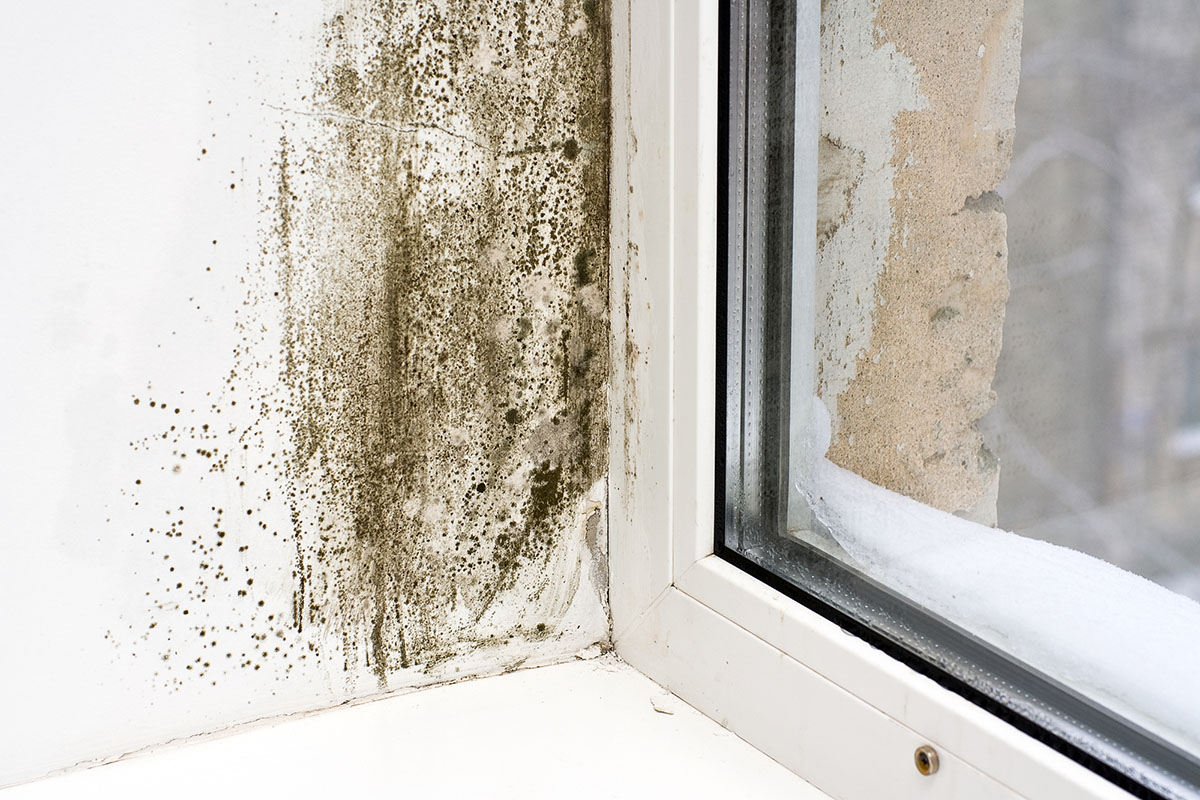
[(446, 318), (425, 347)]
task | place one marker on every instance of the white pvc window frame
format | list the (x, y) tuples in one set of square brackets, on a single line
[(841, 714)]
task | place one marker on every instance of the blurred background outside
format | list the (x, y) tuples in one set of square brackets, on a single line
[(1097, 420)]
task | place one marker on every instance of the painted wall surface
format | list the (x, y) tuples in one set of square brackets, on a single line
[(305, 358), (917, 129)]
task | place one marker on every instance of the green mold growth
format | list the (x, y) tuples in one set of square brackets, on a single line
[(583, 275), (443, 280), (545, 495), (596, 12)]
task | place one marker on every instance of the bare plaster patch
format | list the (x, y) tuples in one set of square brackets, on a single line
[(914, 278), (864, 86)]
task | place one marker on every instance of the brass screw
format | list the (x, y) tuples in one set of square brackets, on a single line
[(926, 759)]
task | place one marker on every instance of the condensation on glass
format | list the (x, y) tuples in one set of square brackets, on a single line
[(1097, 421)]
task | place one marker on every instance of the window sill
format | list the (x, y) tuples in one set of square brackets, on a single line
[(582, 729)]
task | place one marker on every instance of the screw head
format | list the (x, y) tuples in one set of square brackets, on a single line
[(926, 759)]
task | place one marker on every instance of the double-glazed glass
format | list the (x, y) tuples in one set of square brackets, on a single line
[(1066, 603)]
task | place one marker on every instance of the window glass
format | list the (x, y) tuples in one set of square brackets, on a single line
[(960, 412), (1103, 201)]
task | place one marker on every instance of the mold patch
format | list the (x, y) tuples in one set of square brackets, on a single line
[(435, 273), (445, 374)]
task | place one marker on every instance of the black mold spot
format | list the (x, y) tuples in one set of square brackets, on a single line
[(582, 275), (545, 496), (592, 10)]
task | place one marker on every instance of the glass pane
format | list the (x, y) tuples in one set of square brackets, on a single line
[(1097, 435), (961, 413)]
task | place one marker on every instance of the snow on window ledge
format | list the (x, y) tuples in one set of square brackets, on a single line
[(1116, 637)]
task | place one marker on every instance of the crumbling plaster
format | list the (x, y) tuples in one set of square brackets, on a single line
[(917, 127)]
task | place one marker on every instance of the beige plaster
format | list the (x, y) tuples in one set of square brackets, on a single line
[(917, 125)]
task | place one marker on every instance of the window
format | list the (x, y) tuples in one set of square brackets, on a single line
[(800, 558), (1049, 639)]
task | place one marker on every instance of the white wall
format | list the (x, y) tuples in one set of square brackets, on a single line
[(148, 564)]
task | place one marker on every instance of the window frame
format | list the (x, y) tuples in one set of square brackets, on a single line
[(852, 716)]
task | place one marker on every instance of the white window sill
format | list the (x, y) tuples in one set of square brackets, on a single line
[(582, 729)]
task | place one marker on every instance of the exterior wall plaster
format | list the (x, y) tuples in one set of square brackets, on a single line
[(917, 126)]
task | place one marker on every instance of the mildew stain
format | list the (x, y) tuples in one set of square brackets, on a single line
[(436, 263), (446, 365)]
